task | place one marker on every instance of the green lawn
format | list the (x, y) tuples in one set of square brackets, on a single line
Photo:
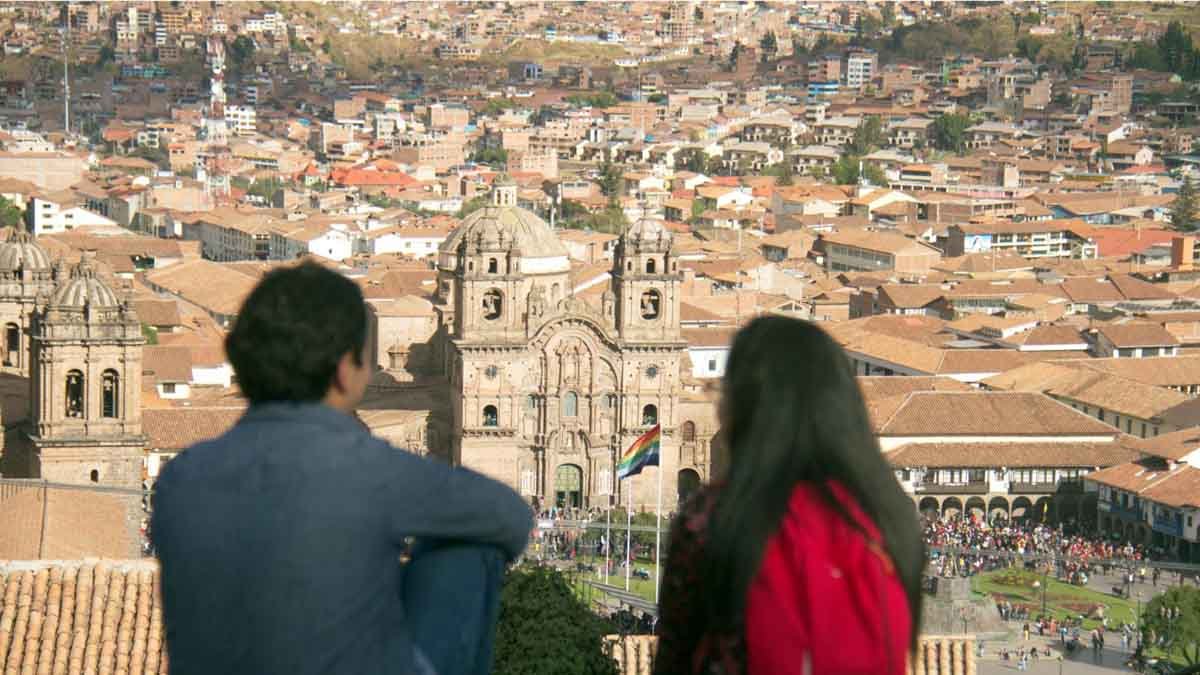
[(1062, 600), (641, 587)]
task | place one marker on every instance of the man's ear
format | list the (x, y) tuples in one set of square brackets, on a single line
[(341, 374)]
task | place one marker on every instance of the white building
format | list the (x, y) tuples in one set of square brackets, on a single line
[(708, 350), (241, 119), (44, 216), (860, 68)]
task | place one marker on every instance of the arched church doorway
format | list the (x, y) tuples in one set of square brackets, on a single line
[(568, 486), (686, 484)]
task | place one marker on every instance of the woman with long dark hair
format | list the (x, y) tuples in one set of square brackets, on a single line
[(806, 555)]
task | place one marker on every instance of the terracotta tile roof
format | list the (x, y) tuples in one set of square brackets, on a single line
[(689, 311), (1118, 394), (1174, 446), (167, 363), (958, 361), (1177, 371), (1047, 454), (78, 523), (1091, 290), (1180, 489), (156, 312), (911, 296), (82, 617), (1138, 335), (220, 288), (180, 428), (717, 336), (883, 242), (1134, 476), (1136, 289), (988, 414)]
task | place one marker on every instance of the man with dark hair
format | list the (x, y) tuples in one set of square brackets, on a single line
[(299, 543)]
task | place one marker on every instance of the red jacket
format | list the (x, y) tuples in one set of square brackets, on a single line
[(826, 600)]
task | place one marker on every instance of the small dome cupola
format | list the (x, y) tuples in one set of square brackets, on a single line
[(504, 191)]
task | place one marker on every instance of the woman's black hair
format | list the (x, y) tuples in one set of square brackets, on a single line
[(793, 412)]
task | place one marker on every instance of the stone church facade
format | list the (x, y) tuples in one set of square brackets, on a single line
[(76, 350), (548, 390)]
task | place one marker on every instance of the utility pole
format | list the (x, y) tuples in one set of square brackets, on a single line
[(66, 72)]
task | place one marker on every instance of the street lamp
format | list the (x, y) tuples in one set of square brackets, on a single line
[(1170, 615), (1138, 620)]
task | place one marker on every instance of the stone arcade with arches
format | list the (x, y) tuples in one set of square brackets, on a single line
[(548, 389)]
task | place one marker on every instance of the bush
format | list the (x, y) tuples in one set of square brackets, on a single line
[(545, 629)]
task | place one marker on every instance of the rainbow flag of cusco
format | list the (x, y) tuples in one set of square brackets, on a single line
[(643, 453)]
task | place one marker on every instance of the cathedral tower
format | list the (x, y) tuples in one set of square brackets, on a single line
[(86, 372)]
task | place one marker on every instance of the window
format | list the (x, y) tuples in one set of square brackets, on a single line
[(570, 404), (490, 417), (712, 365), (493, 304), (688, 431), (530, 403), (74, 402), (12, 344), (1143, 429), (1100, 414), (168, 387), (649, 415), (650, 266), (492, 266), (110, 394), (95, 476), (651, 302), (1128, 426), (611, 401)]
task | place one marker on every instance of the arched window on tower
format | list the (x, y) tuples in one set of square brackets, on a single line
[(491, 418), (649, 415), (74, 402), (111, 394), (650, 266), (570, 404), (689, 431), (493, 266), (12, 345)]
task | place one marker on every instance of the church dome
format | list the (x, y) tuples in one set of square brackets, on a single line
[(85, 288), (509, 229), (649, 232), (21, 252)]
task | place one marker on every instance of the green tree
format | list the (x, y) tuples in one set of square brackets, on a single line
[(846, 171), (150, 333), (10, 214), (1181, 635), (1183, 209), (867, 136), (783, 171), (768, 45), (265, 188), (533, 599), (1175, 47), (241, 52), (495, 106), (472, 205), (887, 14), (610, 179), (493, 156), (949, 132), (698, 209)]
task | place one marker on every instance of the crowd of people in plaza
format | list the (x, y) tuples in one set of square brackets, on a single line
[(962, 546)]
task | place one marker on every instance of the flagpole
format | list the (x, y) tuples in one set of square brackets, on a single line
[(629, 538), (608, 533), (658, 528)]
